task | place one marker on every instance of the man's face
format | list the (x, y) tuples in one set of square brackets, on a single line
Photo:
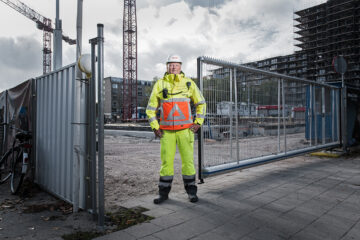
[(174, 68)]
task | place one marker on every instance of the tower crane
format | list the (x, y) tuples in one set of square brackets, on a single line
[(42, 23)]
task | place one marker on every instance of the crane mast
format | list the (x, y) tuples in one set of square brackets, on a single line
[(129, 60)]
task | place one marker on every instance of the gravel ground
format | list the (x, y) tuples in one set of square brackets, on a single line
[(132, 169), (132, 163)]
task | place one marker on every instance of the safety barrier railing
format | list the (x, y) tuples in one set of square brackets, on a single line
[(255, 116)]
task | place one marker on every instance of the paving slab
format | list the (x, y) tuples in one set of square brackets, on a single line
[(315, 198)]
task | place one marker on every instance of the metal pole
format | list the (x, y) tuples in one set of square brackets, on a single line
[(310, 117), (201, 131), (332, 115), (279, 99), (100, 30), (231, 115), (236, 117), (344, 111), (283, 113), (338, 126), (57, 39), (315, 115), (323, 115), (92, 128), (79, 146)]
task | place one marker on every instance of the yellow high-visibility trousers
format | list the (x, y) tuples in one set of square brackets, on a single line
[(184, 140)]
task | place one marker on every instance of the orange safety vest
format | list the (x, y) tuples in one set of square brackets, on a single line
[(175, 114)]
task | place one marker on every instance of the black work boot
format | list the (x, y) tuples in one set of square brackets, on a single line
[(163, 194), (193, 198), (191, 191), (160, 199)]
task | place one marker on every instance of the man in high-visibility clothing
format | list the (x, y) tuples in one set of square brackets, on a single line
[(172, 95)]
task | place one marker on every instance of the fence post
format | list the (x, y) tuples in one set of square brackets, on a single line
[(332, 115), (311, 99), (283, 113), (236, 117), (323, 115), (344, 117), (279, 104), (92, 129), (100, 38), (231, 114), (201, 131), (315, 114)]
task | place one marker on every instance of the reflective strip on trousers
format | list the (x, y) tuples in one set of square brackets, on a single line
[(189, 180), (165, 181)]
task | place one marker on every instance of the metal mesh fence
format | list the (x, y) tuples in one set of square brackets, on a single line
[(255, 114)]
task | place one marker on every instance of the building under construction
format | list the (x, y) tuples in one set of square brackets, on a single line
[(323, 32), (326, 31)]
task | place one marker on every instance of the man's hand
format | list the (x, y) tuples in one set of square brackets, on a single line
[(195, 127), (158, 133)]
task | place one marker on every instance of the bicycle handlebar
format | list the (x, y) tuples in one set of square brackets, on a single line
[(12, 126)]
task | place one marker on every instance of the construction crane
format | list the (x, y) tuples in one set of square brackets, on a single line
[(129, 60), (42, 23)]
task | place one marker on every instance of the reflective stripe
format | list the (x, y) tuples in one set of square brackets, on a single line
[(198, 103), (172, 123), (188, 176), (165, 184), (200, 116), (151, 108), (152, 119), (189, 183), (176, 100), (166, 178)]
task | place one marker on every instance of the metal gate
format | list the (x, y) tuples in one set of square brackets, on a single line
[(255, 116)]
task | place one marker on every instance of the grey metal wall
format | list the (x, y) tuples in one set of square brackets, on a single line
[(55, 97)]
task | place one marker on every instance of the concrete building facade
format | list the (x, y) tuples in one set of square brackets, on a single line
[(113, 87)]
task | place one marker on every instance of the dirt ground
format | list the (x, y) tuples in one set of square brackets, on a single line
[(132, 168), (132, 164)]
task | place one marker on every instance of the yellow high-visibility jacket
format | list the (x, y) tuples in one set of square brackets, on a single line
[(178, 87)]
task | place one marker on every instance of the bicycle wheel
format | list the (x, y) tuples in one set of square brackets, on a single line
[(5, 169), (16, 170)]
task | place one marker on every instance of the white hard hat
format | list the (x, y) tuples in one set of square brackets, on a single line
[(174, 58)]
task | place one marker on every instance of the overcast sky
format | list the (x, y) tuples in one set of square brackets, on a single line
[(234, 30)]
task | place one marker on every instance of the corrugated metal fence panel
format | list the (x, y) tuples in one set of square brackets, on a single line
[(54, 140)]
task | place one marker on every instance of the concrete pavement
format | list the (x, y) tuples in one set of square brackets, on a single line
[(300, 198)]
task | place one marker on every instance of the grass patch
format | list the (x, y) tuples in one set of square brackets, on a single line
[(115, 221), (127, 217)]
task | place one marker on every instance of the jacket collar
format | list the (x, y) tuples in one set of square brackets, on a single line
[(171, 77)]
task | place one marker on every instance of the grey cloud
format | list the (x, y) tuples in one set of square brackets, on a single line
[(191, 3), (115, 27), (245, 24), (20, 59), (206, 3), (159, 53), (263, 40), (22, 52), (171, 22)]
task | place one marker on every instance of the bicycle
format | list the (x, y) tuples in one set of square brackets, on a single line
[(16, 160)]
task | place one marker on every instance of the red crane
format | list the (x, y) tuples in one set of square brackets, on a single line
[(42, 23), (129, 60)]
